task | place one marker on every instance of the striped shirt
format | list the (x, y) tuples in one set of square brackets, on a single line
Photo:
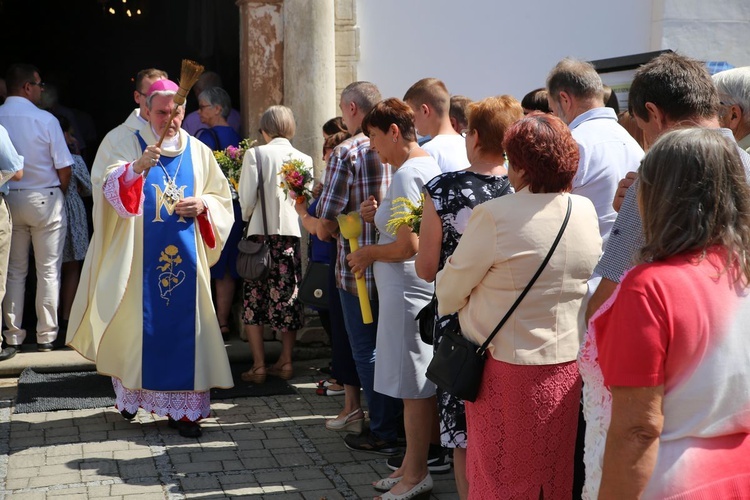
[(353, 174), (627, 238)]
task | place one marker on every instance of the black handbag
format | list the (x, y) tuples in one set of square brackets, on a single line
[(313, 290), (426, 318), (458, 363), (254, 259)]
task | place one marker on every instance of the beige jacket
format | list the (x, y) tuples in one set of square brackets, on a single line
[(280, 214), (504, 243)]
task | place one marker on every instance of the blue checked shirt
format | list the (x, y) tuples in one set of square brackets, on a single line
[(626, 237), (354, 172)]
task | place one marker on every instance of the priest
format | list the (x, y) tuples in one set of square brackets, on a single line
[(143, 311)]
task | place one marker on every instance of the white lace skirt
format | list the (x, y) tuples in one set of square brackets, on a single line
[(191, 405)]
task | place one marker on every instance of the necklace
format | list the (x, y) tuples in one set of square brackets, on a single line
[(408, 153), (170, 187)]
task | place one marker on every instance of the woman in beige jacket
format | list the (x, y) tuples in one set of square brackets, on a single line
[(273, 300), (522, 427)]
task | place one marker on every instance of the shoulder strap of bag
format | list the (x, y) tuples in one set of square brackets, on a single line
[(484, 346), (214, 136), (260, 188)]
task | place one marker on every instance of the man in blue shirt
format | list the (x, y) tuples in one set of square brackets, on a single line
[(11, 167)]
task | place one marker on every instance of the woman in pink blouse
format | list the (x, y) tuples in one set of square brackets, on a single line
[(672, 341)]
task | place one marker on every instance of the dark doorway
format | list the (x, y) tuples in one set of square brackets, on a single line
[(92, 55)]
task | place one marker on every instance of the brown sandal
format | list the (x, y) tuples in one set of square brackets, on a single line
[(253, 376), (284, 372)]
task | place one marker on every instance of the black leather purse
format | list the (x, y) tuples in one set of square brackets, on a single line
[(313, 290), (458, 363)]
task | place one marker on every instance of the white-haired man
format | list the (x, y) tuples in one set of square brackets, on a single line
[(733, 86)]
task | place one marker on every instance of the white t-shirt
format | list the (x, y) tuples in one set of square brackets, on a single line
[(449, 152), (38, 137)]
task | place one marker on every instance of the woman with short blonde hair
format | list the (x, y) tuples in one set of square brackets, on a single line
[(273, 300)]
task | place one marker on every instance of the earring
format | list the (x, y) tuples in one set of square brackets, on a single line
[(395, 140)]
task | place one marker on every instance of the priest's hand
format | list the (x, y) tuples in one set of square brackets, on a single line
[(190, 207), (149, 158)]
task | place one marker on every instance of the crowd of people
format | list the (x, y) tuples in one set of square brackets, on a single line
[(618, 237)]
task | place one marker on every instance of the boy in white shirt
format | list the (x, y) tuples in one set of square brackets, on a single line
[(430, 101)]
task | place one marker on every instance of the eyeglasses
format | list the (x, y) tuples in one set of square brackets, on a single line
[(39, 84)]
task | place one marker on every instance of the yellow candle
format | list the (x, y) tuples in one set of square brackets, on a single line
[(350, 226)]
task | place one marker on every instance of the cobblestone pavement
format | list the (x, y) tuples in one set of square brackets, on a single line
[(265, 447)]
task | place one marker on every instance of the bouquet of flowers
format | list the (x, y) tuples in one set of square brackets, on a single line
[(230, 161), (296, 180), (405, 212)]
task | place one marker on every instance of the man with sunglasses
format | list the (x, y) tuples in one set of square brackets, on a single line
[(36, 204)]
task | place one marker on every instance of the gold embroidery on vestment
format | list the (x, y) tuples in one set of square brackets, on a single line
[(162, 200), (169, 279)]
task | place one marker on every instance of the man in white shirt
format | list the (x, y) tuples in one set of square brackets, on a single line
[(608, 152), (36, 205), (430, 101)]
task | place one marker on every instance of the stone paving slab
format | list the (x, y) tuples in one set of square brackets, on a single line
[(269, 447)]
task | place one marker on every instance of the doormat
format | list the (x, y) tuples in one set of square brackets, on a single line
[(43, 392)]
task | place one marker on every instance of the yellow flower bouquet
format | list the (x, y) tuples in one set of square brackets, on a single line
[(405, 212)]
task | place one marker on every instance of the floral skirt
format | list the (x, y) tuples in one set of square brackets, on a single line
[(187, 405), (522, 431), (273, 300)]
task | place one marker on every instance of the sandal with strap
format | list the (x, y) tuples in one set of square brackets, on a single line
[(253, 376), (284, 372)]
